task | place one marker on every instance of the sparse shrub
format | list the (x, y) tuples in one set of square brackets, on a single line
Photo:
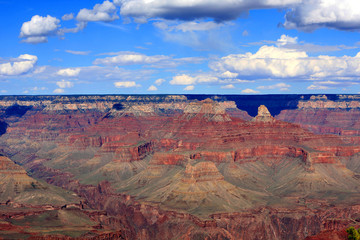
[(353, 234)]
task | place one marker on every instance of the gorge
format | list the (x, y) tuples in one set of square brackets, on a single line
[(179, 166)]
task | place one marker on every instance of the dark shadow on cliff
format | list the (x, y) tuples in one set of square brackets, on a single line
[(3, 127), (16, 110)]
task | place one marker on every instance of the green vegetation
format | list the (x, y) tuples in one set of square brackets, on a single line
[(353, 234)]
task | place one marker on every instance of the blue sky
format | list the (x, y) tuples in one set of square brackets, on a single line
[(179, 46)]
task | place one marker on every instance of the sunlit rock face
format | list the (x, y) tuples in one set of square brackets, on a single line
[(165, 167), (263, 115)]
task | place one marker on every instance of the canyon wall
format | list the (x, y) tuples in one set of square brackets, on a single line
[(191, 166)]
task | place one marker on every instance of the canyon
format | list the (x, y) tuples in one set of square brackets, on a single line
[(179, 166)]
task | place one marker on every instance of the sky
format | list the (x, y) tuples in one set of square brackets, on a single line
[(179, 47)]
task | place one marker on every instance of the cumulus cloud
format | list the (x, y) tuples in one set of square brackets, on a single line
[(21, 65), (278, 63), (159, 81), (311, 14), (189, 88), (105, 12), (59, 91), (195, 9), (182, 80), (207, 78), (280, 86), (249, 91), (127, 84), (152, 88), (64, 84), (285, 40), (39, 28), (228, 74), (229, 86), (69, 72)]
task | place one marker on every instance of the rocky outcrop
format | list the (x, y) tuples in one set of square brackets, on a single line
[(203, 171), (208, 110), (263, 115)]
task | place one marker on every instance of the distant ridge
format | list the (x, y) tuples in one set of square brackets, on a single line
[(249, 103)]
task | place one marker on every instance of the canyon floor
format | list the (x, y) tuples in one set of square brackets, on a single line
[(179, 167)]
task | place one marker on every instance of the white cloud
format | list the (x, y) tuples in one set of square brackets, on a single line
[(129, 58), (79, 26), (229, 86), (189, 88), (67, 17), (205, 78), (65, 84), (58, 90), (69, 72), (90, 74), (38, 70), (323, 85), (134, 58), (279, 63), (159, 81), (317, 87), (182, 80), (34, 40), (23, 64), (35, 89), (312, 14), (285, 40), (39, 28), (127, 84), (229, 74), (280, 86), (105, 12), (249, 91), (3, 91), (289, 42), (152, 88), (77, 52)]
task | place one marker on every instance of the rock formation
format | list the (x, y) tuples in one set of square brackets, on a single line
[(263, 115)]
